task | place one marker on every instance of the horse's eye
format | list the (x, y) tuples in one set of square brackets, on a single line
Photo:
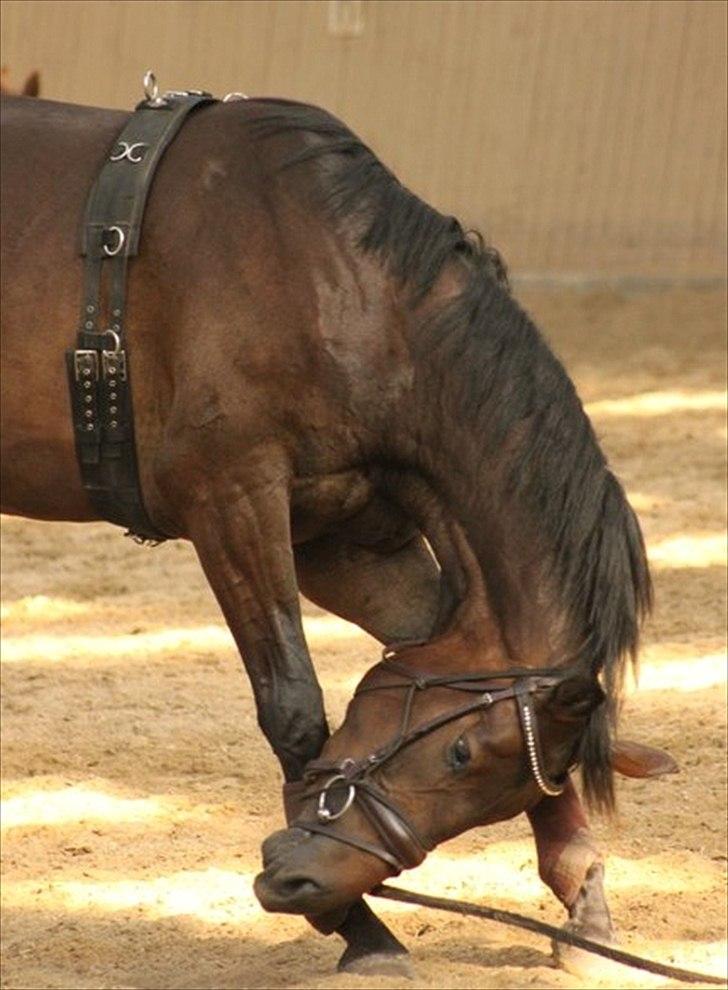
[(459, 753)]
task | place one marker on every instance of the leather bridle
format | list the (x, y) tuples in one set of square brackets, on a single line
[(402, 845)]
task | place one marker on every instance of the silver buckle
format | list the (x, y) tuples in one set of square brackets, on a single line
[(113, 365), (86, 365), (172, 93)]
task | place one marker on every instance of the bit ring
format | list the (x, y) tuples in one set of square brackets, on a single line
[(322, 812)]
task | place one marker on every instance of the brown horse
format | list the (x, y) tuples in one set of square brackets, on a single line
[(335, 391)]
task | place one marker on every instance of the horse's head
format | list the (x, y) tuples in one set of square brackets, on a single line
[(428, 749)]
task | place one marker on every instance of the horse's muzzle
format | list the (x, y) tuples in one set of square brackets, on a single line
[(280, 844), (286, 885), (311, 874)]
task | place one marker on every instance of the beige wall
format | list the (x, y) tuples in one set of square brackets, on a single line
[(583, 136)]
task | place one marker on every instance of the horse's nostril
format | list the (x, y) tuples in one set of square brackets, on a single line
[(291, 892), (297, 887)]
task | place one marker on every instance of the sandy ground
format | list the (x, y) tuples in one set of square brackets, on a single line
[(137, 786)]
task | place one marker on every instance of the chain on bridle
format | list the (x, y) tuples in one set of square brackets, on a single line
[(403, 847)]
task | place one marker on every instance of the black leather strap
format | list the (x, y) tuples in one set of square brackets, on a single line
[(99, 368), (368, 847)]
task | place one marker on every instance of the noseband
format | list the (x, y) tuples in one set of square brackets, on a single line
[(403, 847)]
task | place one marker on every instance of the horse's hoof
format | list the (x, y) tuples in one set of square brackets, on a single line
[(377, 964), (589, 967)]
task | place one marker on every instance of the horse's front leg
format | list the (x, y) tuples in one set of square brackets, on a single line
[(243, 541), (571, 864), (394, 592), (244, 545)]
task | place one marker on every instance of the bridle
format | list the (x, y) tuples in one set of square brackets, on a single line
[(402, 845)]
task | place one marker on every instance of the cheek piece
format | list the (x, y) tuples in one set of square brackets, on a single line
[(339, 785)]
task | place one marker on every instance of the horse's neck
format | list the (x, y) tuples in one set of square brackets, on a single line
[(503, 612), (485, 540)]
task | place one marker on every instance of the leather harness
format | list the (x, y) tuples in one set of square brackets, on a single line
[(402, 846), (99, 368)]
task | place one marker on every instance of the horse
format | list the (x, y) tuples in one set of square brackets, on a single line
[(31, 86), (336, 392)]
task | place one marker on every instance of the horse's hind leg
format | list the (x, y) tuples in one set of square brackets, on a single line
[(394, 594), (571, 864)]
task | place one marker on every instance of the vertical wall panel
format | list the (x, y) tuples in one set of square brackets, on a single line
[(581, 135)]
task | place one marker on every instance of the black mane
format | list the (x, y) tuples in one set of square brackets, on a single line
[(507, 382), (412, 239)]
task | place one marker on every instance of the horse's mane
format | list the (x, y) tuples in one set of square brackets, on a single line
[(508, 383)]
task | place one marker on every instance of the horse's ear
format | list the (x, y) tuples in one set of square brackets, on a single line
[(632, 759), (32, 85), (574, 699)]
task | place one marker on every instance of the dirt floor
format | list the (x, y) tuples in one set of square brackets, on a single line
[(137, 786)]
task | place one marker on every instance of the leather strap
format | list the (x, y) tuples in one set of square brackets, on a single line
[(99, 368), (402, 847), (349, 840), (295, 793), (395, 830)]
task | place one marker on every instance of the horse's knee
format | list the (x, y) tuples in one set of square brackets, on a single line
[(566, 848), (295, 729), (564, 866)]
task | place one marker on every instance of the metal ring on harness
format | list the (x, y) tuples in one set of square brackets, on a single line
[(151, 92), (117, 340), (112, 251), (151, 89), (322, 812)]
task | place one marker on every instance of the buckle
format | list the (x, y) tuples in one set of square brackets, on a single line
[(113, 365), (86, 365)]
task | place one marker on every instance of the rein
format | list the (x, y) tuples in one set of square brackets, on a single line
[(543, 928)]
